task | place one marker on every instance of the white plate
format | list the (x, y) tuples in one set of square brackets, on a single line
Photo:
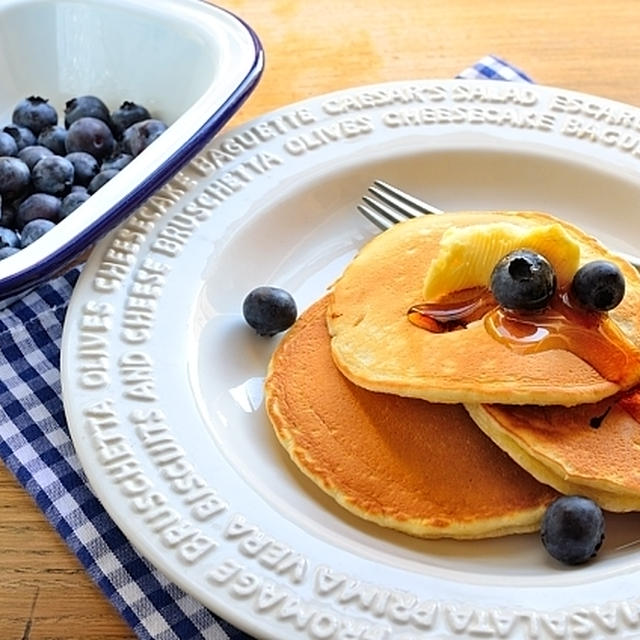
[(162, 379)]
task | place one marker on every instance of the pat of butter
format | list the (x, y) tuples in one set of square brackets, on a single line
[(468, 255)]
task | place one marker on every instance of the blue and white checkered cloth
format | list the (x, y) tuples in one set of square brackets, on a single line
[(35, 446)]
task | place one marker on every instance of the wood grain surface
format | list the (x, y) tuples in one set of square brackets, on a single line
[(312, 48)]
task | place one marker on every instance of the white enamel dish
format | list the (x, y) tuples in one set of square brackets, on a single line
[(190, 63), (162, 379)]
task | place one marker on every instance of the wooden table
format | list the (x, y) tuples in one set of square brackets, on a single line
[(312, 48)]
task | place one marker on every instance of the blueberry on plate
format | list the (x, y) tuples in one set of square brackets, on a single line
[(269, 310), (52, 175), (598, 285), (523, 280), (38, 205), (14, 176), (90, 135), (35, 113), (85, 107), (572, 529), (33, 230)]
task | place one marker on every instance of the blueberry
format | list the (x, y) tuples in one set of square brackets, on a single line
[(119, 161), (8, 145), (72, 201), (33, 230), (598, 285), (101, 179), (14, 176), (126, 114), (85, 167), (5, 252), (8, 238), (572, 529), (269, 310), (52, 175), (523, 280), (32, 154), (7, 214), (91, 136), (38, 205), (141, 134), (83, 107), (54, 138), (23, 136), (35, 113)]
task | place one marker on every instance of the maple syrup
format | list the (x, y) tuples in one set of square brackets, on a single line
[(587, 334), (630, 402), (456, 311)]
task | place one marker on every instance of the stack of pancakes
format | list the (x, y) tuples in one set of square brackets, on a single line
[(450, 434)]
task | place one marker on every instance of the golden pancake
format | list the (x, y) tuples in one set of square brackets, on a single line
[(424, 469), (591, 450), (376, 347)]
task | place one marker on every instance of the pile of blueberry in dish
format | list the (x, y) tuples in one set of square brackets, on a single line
[(48, 169)]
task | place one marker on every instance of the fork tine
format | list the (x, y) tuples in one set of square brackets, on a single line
[(391, 213), (373, 216), (383, 190), (394, 208)]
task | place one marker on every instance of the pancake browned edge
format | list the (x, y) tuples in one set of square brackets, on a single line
[(424, 469), (591, 450), (377, 347)]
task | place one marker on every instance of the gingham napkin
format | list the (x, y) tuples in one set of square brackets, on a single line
[(35, 446)]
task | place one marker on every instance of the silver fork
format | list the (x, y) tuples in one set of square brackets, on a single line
[(387, 205)]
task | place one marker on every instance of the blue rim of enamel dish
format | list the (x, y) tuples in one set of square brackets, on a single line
[(56, 262)]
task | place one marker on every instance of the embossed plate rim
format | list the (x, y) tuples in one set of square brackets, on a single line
[(142, 254)]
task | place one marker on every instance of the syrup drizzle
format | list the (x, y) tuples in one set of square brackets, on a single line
[(587, 334), (456, 311), (630, 402)]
